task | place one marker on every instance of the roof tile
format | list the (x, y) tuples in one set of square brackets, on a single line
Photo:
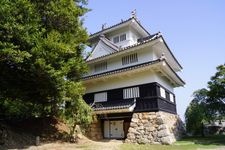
[(122, 104)]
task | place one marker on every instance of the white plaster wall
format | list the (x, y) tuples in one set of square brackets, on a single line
[(165, 83), (144, 55), (125, 81), (154, 55), (134, 36)]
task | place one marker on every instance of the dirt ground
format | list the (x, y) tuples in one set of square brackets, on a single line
[(87, 145)]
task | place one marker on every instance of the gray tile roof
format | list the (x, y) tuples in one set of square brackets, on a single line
[(109, 43)]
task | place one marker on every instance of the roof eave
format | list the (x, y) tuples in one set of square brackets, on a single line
[(171, 52), (176, 79)]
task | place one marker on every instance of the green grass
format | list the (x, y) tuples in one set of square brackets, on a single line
[(190, 143)]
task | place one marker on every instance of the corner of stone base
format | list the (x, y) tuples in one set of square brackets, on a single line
[(155, 128)]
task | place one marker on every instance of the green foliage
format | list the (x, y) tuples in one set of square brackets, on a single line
[(41, 46), (208, 105), (187, 143), (216, 92), (74, 115), (195, 114)]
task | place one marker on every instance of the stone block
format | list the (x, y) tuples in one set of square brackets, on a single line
[(137, 133), (135, 120), (167, 140), (140, 123), (161, 127), (146, 125), (140, 128), (141, 132), (131, 136), (143, 141), (144, 121), (140, 116), (145, 116), (159, 121), (131, 130), (150, 129), (135, 115), (163, 133), (152, 113), (154, 134), (132, 124)]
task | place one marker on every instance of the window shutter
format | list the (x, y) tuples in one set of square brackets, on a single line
[(131, 93), (100, 97), (162, 92), (171, 98)]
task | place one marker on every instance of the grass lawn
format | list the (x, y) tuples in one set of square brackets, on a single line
[(190, 143)]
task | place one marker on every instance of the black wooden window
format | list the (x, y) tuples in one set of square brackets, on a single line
[(116, 39), (119, 38), (122, 37)]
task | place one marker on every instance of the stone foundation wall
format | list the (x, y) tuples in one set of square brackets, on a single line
[(154, 128), (94, 131)]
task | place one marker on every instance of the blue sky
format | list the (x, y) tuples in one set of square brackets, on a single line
[(193, 29)]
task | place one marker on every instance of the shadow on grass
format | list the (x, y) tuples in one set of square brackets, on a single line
[(218, 140)]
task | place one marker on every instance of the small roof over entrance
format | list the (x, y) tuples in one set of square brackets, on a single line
[(114, 106)]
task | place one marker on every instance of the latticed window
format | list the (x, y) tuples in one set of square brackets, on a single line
[(132, 58), (131, 93), (100, 67)]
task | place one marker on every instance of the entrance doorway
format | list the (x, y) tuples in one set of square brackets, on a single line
[(114, 129)]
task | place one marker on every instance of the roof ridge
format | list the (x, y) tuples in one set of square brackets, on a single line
[(111, 26)]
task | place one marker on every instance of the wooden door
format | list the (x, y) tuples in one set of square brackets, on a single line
[(116, 129)]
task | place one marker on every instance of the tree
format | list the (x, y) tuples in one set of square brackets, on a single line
[(196, 113), (208, 105), (216, 92), (41, 46)]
